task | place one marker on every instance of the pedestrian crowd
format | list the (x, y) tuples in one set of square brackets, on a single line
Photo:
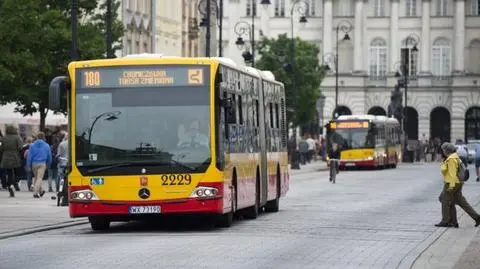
[(33, 159), (309, 147)]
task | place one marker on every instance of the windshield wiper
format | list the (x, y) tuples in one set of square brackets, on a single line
[(108, 167)]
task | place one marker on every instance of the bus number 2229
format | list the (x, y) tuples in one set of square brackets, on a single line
[(169, 180)]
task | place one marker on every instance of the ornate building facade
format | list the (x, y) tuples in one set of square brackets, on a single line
[(190, 29), (443, 92), (168, 27), (137, 17)]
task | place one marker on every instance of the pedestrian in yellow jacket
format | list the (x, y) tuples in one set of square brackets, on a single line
[(452, 190)]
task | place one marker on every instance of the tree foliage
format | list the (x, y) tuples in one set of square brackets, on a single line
[(35, 40), (299, 70)]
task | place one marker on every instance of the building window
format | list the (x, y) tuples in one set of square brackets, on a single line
[(379, 8), (410, 56), (311, 8), (441, 58), (410, 8), (145, 47), (343, 8), (378, 59), (137, 47), (441, 8), (279, 8), (474, 56), (249, 8), (129, 46), (476, 7)]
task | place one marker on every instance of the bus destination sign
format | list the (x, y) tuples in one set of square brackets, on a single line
[(143, 76), (349, 124)]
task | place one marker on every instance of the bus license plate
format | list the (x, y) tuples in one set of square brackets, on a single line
[(350, 164), (144, 209)]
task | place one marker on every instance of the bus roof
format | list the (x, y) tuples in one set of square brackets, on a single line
[(373, 118), (266, 75)]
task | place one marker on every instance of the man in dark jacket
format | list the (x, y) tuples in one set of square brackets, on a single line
[(38, 159)]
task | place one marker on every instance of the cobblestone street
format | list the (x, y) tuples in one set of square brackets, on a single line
[(368, 219)]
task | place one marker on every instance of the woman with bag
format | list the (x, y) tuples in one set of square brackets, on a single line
[(452, 190)]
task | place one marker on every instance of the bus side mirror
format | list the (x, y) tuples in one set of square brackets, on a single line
[(57, 92)]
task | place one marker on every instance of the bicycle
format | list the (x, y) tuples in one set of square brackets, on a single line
[(333, 169)]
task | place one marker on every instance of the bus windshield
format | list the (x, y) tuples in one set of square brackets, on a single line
[(353, 138), (166, 127)]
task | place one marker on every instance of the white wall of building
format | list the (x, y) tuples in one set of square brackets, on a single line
[(168, 27), (447, 65)]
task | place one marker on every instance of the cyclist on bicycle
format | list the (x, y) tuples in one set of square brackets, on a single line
[(334, 157)]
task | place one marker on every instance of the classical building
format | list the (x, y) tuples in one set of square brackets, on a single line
[(136, 16), (443, 92), (168, 27), (190, 29)]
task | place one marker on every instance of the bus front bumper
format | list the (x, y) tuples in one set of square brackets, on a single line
[(122, 208), (356, 163)]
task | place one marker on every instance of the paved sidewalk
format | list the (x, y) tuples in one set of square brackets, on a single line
[(455, 248), (314, 166), (24, 214)]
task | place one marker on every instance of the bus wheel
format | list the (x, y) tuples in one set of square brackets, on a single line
[(99, 223), (252, 212), (274, 205), (225, 220)]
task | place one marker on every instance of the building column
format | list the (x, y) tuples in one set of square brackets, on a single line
[(327, 26), (459, 43), (264, 18), (425, 40), (393, 35), (357, 39)]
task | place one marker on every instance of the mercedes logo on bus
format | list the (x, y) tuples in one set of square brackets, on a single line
[(144, 193)]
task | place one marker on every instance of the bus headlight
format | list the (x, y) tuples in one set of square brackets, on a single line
[(83, 195), (370, 158), (204, 192)]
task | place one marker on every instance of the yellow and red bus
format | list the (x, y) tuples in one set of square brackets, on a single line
[(366, 140), (157, 135)]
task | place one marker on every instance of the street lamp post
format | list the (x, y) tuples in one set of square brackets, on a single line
[(109, 29), (205, 9), (74, 54), (404, 74), (345, 27), (301, 7), (242, 27)]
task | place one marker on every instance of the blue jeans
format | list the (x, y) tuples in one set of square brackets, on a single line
[(52, 175), (28, 176), (60, 175)]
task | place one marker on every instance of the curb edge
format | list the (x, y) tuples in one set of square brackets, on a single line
[(44, 228)]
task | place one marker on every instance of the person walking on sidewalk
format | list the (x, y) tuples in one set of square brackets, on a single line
[(38, 159), (28, 171), (11, 145), (452, 190), (62, 158), (477, 160)]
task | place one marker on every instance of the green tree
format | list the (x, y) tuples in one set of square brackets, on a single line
[(301, 74), (35, 40)]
